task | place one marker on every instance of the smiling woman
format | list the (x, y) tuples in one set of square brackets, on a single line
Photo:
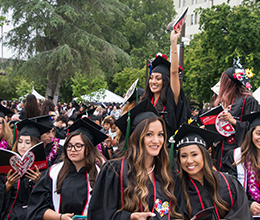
[(139, 184), (67, 186), (203, 187)]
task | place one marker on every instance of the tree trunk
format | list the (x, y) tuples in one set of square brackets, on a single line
[(50, 83), (57, 89)]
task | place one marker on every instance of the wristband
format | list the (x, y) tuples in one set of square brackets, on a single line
[(60, 216)]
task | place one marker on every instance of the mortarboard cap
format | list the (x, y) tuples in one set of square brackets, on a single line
[(238, 74), (161, 65), (44, 120), (31, 128), (4, 111), (190, 134), (141, 111), (50, 97), (91, 111), (81, 116), (253, 118), (133, 117), (86, 127), (133, 93)]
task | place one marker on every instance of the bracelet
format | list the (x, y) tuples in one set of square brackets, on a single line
[(109, 148), (60, 216), (173, 51)]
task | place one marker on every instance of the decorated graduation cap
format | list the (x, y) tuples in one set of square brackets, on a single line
[(86, 127), (253, 118), (44, 120), (239, 75), (4, 111), (190, 134), (31, 128), (161, 65), (91, 111), (128, 122), (133, 93)]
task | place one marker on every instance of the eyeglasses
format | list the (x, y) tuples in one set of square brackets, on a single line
[(77, 147)]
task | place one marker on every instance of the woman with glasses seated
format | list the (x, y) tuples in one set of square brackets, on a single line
[(65, 189)]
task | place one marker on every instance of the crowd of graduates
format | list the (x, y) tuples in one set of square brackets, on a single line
[(140, 160)]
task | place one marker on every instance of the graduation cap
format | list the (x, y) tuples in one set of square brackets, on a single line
[(161, 65), (133, 117), (86, 127), (253, 118), (4, 111), (238, 74), (81, 116), (31, 128), (190, 134), (44, 120), (133, 93)]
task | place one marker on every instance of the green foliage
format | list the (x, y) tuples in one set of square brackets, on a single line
[(226, 34), (126, 78), (145, 28), (87, 84), (58, 38), (24, 87)]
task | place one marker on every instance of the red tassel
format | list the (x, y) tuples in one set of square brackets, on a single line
[(67, 133)]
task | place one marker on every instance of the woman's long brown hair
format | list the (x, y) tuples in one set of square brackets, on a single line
[(210, 177), (248, 151), (7, 133), (92, 157), (137, 191), (228, 91)]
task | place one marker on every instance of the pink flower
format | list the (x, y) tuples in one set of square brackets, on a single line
[(248, 86), (234, 75), (239, 77)]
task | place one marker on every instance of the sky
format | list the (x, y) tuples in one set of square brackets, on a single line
[(7, 53)]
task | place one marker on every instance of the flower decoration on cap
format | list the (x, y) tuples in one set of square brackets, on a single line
[(162, 55), (249, 73), (239, 75)]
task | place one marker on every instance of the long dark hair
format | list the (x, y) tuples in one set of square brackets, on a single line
[(47, 106), (31, 107), (163, 96), (229, 90), (137, 191), (92, 157), (210, 177), (249, 151)]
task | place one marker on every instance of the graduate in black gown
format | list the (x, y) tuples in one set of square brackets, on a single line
[(237, 100), (243, 162), (52, 147), (203, 187), (139, 184), (14, 189), (65, 189), (164, 90)]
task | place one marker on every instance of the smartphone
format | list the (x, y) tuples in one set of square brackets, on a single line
[(79, 217)]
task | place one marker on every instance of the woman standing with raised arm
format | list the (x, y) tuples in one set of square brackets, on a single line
[(164, 90)]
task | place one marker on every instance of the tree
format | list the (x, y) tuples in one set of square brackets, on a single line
[(227, 33), (126, 78), (145, 28), (54, 39)]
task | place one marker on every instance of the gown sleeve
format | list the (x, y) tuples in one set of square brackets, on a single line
[(105, 200), (240, 209), (2, 193), (41, 198), (227, 164)]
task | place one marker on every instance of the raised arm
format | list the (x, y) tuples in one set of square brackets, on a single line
[(174, 78)]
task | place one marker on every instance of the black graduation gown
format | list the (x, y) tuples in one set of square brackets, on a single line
[(106, 198), (176, 114), (13, 204), (73, 194), (251, 105), (227, 167), (239, 210), (47, 150)]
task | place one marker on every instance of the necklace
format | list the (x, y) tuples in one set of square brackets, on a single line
[(151, 170), (54, 149)]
